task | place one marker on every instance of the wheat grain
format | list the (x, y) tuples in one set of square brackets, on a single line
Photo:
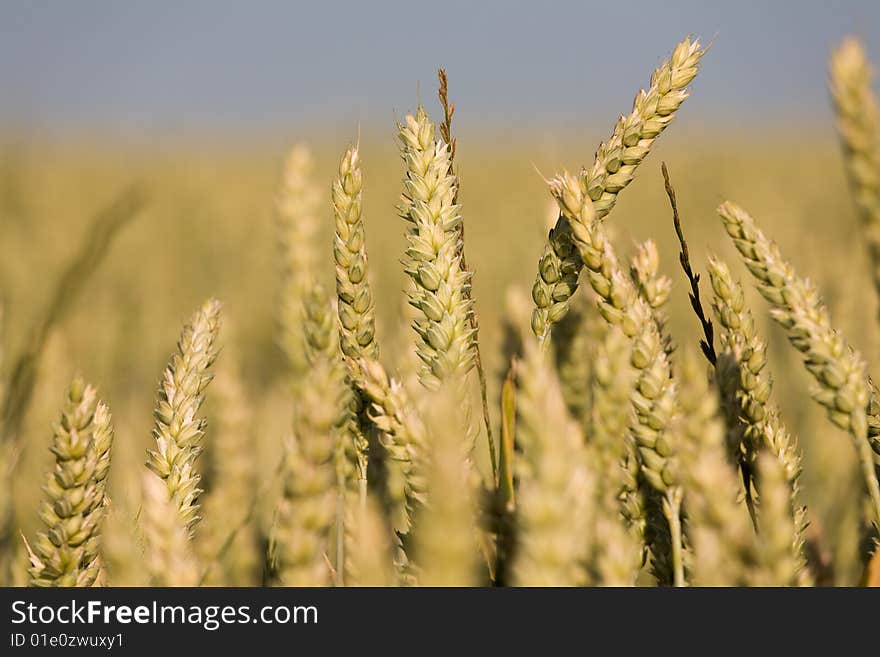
[(858, 122), (67, 553), (612, 170), (839, 370)]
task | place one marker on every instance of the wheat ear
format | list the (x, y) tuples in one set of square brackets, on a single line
[(653, 400), (653, 287), (555, 487), (620, 519), (440, 287), (444, 535), (753, 422), (357, 334), (68, 552), (402, 435), (321, 429), (234, 480), (170, 559), (179, 430), (574, 340), (780, 540), (612, 170), (718, 526), (858, 123), (297, 222), (839, 370), (370, 560)]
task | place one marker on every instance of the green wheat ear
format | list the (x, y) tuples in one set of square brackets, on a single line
[(67, 553)]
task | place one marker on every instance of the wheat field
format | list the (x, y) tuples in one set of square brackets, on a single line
[(423, 358)]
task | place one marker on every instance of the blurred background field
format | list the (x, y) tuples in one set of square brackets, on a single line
[(207, 228)]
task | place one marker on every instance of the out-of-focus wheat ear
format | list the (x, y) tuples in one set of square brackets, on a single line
[(169, 554), (321, 428), (718, 527), (780, 559), (653, 286), (654, 396), (179, 429), (440, 287), (858, 123), (355, 300), (72, 280), (620, 514), (839, 370), (555, 486), (370, 561), (297, 219), (445, 532), (229, 541), (67, 552), (753, 421), (574, 341), (122, 540), (351, 456), (612, 170)]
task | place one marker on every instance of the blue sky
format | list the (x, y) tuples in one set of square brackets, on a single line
[(136, 67)]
